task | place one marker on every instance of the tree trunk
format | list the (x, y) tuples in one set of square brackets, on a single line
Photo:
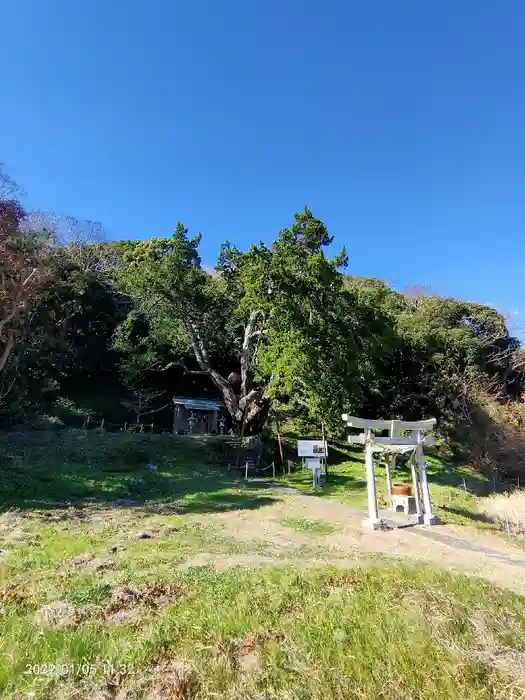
[(250, 408), (257, 416)]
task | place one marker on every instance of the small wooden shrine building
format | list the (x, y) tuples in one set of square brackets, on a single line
[(197, 416)]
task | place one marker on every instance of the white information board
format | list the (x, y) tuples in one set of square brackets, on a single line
[(312, 448)]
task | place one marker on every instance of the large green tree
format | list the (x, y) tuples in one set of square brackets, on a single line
[(272, 309)]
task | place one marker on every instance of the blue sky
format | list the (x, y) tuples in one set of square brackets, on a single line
[(401, 123)]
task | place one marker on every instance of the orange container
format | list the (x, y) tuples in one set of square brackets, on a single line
[(401, 490)]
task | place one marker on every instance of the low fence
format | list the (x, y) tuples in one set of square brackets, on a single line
[(102, 424)]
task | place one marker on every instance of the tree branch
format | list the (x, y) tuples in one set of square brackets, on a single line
[(10, 344), (181, 364), (247, 349), (155, 410), (170, 365), (30, 276), (201, 355)]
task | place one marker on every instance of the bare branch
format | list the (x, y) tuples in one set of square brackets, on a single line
[(247, 352), (170, 365), (9, 189), (156, 410), (8, 348), (201, 355)]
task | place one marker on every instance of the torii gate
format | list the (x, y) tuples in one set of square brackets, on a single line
[(392, 446)]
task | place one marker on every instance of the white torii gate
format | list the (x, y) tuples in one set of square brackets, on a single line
[(392, 446)]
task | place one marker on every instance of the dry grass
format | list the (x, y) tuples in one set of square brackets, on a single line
[(507, 510), (495, 433)]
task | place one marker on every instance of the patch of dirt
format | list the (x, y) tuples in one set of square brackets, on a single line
[(167, 680), (249, 526), (144, 535), (13, 593), (58, 615), (126, 606), (89, 562), (502, 566), (222, 563), (175, 680), (165, 508), (18, 538), (70, 513), (101, 564), (250, 661), (154, 531), (156, 596), (124, 617)]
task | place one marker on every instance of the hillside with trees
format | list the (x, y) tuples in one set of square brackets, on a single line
[(279, 332)]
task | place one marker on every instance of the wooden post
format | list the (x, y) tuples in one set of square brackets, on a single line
[(102, 424), (273, 469), (126, 427)]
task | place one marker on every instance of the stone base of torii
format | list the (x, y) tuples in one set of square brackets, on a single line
[(390, 447)]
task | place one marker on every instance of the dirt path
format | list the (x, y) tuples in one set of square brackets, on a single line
[(452, 547)]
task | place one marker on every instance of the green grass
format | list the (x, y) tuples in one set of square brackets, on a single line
[(386, 631), (42, 470), (375, 630), (315, 527)]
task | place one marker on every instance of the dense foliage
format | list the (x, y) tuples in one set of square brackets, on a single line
[(277, 331)]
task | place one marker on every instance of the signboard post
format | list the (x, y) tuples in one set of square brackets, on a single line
[(314, 463), (314, 454)]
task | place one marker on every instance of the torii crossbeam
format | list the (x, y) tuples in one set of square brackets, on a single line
[(396, 443)]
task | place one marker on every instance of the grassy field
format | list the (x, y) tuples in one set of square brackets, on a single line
[(103, 593)]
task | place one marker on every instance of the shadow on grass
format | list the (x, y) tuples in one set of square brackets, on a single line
[(67, 472), (448, 474), (342, 452), (336, 480), (469, 515), (302, 480)]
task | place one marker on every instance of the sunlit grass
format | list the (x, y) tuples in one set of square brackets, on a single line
[(377, 629), (385, 631), (316, 527)]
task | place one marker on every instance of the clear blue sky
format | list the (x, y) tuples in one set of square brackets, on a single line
[(401, 123)]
